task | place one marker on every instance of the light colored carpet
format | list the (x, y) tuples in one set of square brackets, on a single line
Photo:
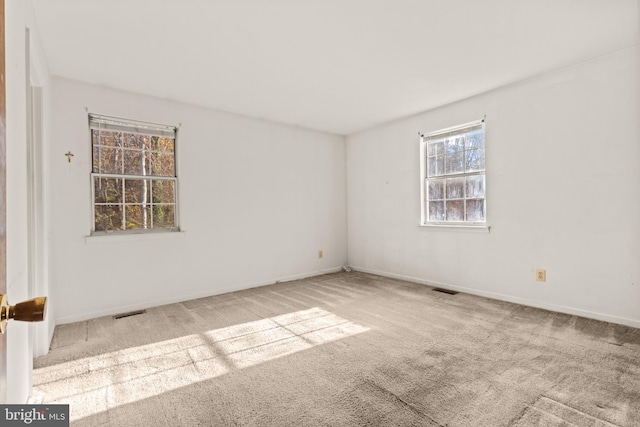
[(344, 349)]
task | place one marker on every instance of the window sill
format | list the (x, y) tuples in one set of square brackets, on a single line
[(458, 227), (131, 237)]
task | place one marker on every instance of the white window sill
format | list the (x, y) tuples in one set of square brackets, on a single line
[(130, 237), (458, 227)]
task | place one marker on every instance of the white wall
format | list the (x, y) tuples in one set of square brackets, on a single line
[(563, 194), (18, 16), (258, 200)]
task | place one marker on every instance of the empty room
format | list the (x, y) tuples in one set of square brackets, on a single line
[(320, 213)]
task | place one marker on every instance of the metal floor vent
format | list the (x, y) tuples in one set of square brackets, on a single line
[(445, 291), (129, 314)]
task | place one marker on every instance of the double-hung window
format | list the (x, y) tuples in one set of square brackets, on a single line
[(134, 182), (452, 169)]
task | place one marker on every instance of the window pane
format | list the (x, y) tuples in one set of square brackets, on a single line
[(96, 160), (436, 211), (137, 141), (138, 216), (435, 166), (129, 140), (146, 162), (137, 162), (475, 139), (106, 137), (107, 160), (94, 137), (163, 191), (107, 190), (475, 187), (144, 142), (133, 162), (163, 216), (153, 143), (108, 217), (454, 144), (475, 210), (475, 160), (455, 163), (162, 164), (163, 144), (435, 148), (455, 210), (436, 189), (137, 191), (455, 188)]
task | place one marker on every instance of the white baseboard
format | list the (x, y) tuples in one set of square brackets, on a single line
[(501, 297), (155, 303)]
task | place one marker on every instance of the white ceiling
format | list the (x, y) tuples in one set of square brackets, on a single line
[(339, 66)]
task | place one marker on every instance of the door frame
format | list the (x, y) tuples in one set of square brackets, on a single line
[(3, 199)]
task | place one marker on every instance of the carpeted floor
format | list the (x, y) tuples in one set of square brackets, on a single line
[(345, 349)]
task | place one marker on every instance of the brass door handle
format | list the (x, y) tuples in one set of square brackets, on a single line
[(32, 310)]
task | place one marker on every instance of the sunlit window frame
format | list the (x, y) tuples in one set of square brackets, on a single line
[(424, 180), (134, 127)]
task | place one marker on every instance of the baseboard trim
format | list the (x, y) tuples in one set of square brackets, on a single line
[(508, 298), (181, 298)]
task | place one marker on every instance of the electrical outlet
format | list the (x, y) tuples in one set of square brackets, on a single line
[(541, 275), (320, 254)]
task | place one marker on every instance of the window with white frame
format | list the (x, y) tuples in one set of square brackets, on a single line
[(452, 169), (133, 178)]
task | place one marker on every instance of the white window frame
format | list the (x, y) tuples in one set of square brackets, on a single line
[(424, 179), (135, 127)]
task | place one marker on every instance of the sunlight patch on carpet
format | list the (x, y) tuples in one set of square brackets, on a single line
[(95, 384)]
